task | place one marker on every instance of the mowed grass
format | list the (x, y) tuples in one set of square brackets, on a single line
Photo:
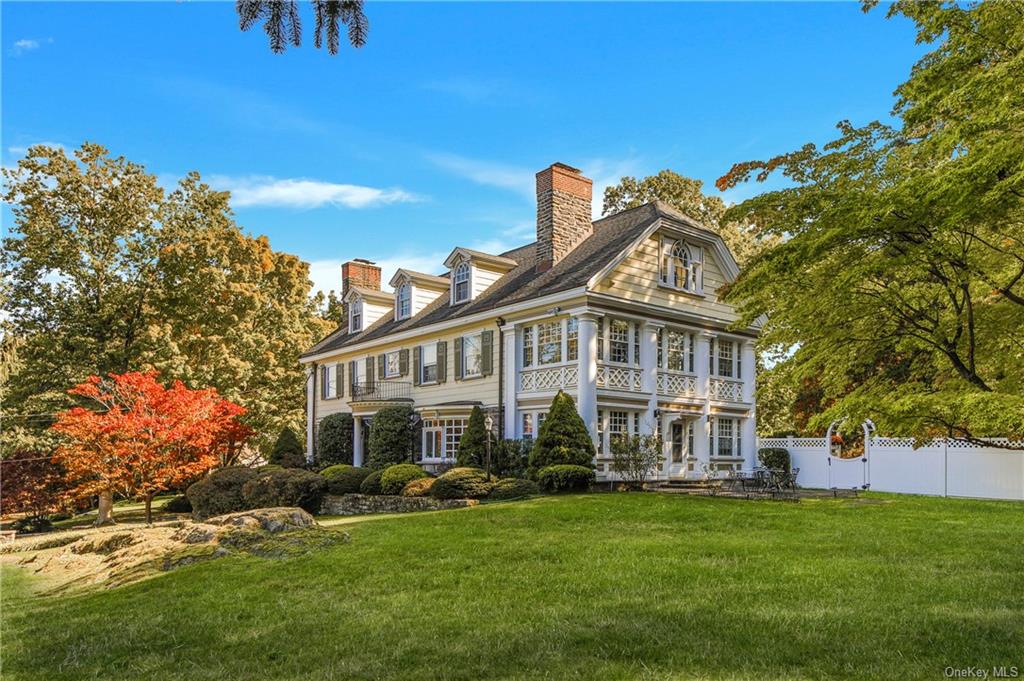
[(595, 586)]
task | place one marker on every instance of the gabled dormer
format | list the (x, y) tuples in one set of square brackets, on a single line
[(365, 306), (414, 291), (472, 272)]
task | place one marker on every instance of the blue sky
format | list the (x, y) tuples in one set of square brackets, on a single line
[(429, 136)]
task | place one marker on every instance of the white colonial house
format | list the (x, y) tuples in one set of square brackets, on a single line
[(622, 313)]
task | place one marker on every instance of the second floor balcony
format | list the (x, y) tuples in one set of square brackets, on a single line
[(382, 391)]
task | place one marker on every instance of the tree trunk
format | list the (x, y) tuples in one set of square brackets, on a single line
[(149, 509), (105, 515)]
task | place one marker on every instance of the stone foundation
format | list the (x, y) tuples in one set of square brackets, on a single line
[(362, 504)]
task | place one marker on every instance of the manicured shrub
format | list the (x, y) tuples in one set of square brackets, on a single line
[(513, 488), (563, 438), (418, 488), (565, 478), (774, 457), (391, 437), (287, 451), (473, 444), (461, 483), (177, 504), (394, 478), (344, 479), (334, 439), (220, 492), (510, 459), (371, 484), (289, 487)]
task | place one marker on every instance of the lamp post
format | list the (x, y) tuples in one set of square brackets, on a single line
[(489, 423), (414, 419)]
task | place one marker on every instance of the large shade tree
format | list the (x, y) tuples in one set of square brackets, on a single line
[(901, 282), (282, 22)]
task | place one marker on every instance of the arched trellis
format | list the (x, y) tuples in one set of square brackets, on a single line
[(842, 472)]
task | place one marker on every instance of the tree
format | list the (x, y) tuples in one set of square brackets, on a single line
[(30, 483), (901, 282), (391, 435), (282, 24), (686, 195), (144, 438), (473, 444), (334, 439), (563, 437), (104, 273), (287, 450), (634, 457)]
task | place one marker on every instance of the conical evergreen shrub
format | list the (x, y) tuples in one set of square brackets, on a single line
[(287, 451), (473, 445), (563, 438)]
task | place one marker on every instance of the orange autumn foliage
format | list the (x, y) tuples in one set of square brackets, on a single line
[(143, 438)]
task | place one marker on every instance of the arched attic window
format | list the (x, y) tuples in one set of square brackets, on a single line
[(404, 300), (460, 281), (680, 268)]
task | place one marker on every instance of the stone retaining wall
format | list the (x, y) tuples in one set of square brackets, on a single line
[(362, 504)]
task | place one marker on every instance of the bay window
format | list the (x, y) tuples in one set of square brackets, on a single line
[(441, 437), (549, 342)]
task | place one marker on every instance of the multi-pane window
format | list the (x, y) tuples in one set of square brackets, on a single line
[(680, 266), (453, 430), (690, 353), (392, 365), (618, 341), (618, 425), (572, 339), (661, 349), (725, 357), (355, 316), (428, 363), (549, 342), (433, 441), (600, 432), (600, 338), (636, 344), (461, 280), (689, 438), (441, 438), (725, 444), (404, 300), (677, 442), (676, 351), (527, 426), (528, 346), (471, 355), (329, 381)]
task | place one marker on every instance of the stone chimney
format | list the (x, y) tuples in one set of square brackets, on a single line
[(563, 213), (361, 273)]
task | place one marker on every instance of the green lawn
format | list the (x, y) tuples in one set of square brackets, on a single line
[(598, 586)]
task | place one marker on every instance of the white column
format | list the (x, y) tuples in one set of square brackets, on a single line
[(749, 437), (649, 372), (701, 357), (749, 371), (357, 440), (701, 445), (511, 380), (749, 433), (665, 424), (702, 426), (310, 409), (587, 382)]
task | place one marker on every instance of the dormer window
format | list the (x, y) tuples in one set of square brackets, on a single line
[(681, 266), (460, 283), (355, 316), (404, 301)]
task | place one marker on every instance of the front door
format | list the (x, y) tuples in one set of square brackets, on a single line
[(678, 449)]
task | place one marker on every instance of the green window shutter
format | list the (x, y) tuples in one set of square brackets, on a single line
[(458, 358), (487, 353), (340, 378), (352, 375), (369, 371), (403, 362), (323, 381), (442, 361), (416, 362), (381, 359)]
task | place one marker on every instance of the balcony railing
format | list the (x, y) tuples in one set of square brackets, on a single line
[(381, 391), (726, 390), (551, 378), (677, 385), (619, 378)]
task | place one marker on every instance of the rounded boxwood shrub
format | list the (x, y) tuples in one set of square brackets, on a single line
[(334, 439), (461, 483), (565, 478), (177, 504), (220, 492), (371, 483), (288, 487), (774, 457), (513, 488), (419, 487), (394, 478), (344, 479)]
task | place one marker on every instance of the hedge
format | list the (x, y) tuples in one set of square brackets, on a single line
[(513, 488), (289, 487), (220, 492), (391, 437), (565, 478), (177, 504), (394, 478), (774, 457), (334, 439), (461, 483), (344, 479)]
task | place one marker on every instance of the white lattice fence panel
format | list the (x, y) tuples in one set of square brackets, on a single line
[(676, 384), (726, 390)]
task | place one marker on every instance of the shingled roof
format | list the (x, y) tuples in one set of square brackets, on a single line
[(611, 236)]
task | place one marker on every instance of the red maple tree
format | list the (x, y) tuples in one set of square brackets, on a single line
[(30, 484), (144, 438)]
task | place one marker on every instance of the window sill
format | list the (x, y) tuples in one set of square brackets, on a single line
[(693, 294)]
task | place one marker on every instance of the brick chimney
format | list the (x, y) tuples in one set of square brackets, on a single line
[(563, 212), (361, 273)]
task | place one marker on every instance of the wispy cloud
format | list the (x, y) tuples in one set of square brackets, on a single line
[(26, 45), (489, 173), (22, 149), (476, 90), (258, 190)]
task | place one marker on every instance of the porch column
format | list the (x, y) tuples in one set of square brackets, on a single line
[(587, 381), (665, 430), (511, 380), (749, 438), (749, 433), (310, 411), (357, 440), (701, 444), (702, 356), (649, 372), (749, 371)]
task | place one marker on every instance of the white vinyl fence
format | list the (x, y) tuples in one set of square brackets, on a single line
[(950, 468)]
